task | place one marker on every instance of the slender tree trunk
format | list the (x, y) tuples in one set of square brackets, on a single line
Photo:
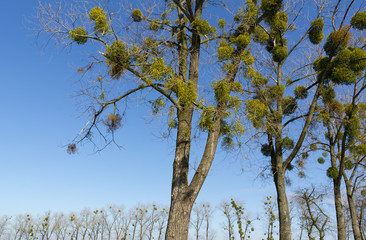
[(341, 226), (353, 212), (282, 203)]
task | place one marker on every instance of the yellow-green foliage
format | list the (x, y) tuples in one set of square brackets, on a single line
[(260, 35), (287, 143), (158, 70), (321, 160), (256, 111), (362, 110), (276, 91), (343, 75), (279, 22), (239, 16), (279, 53), (289, 105), (251, 14), (350, 109), (363, 193), (258, 81), (242, 40), (332, 172), (313, 147), (98, 16), (117, 59), (113, 121), (316, 31), (337, 41), (185, 92), (203, 27), (172, 122), (157, 105), (222, 91), (79, 35), (347, 65), (352, 127), (247, 58), (324, 117), (136, 15), (357, 60), (328, 94), (336, 107), (155, 25), (348, 165), (221, 23), (206, 121), (301, 92), (224, 51), (270, 7), (358, 21), (320, 63)]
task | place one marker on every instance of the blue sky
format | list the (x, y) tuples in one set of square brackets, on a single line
[(40, 116)]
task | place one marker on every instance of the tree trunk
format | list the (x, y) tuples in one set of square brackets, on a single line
[(181, 204), (179, 217), (282, 203), (353, 212), (341, 226)]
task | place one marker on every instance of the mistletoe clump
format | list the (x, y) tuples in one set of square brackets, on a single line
[(242, 40), (266, 150), (287, 143), (301, 92), (279, 23), (337, 41), (270, 8), (328, 94), (247, 58), (155, 25), (321, 160), (224, 51), (320, 64), (358, 21), (348, 165), (332, 172), (113, 121), (289, 105), (185, 92), (117, 59), (279, 53), (203, 27), (316, 31), (98, 16), (256, 112), (260, 35), (347, 65), (136, 15), (206, 121), (79, 35)]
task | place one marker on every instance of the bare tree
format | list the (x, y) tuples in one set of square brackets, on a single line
[(312, 213)]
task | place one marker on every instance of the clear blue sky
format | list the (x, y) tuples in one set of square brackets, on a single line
[(39, 116)]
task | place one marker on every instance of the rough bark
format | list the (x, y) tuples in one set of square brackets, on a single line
[(354, 218), (282, 203), (341, 226)]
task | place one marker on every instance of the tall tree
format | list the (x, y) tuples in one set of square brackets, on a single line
[(285, 90), (342, 103), (159, 51)]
